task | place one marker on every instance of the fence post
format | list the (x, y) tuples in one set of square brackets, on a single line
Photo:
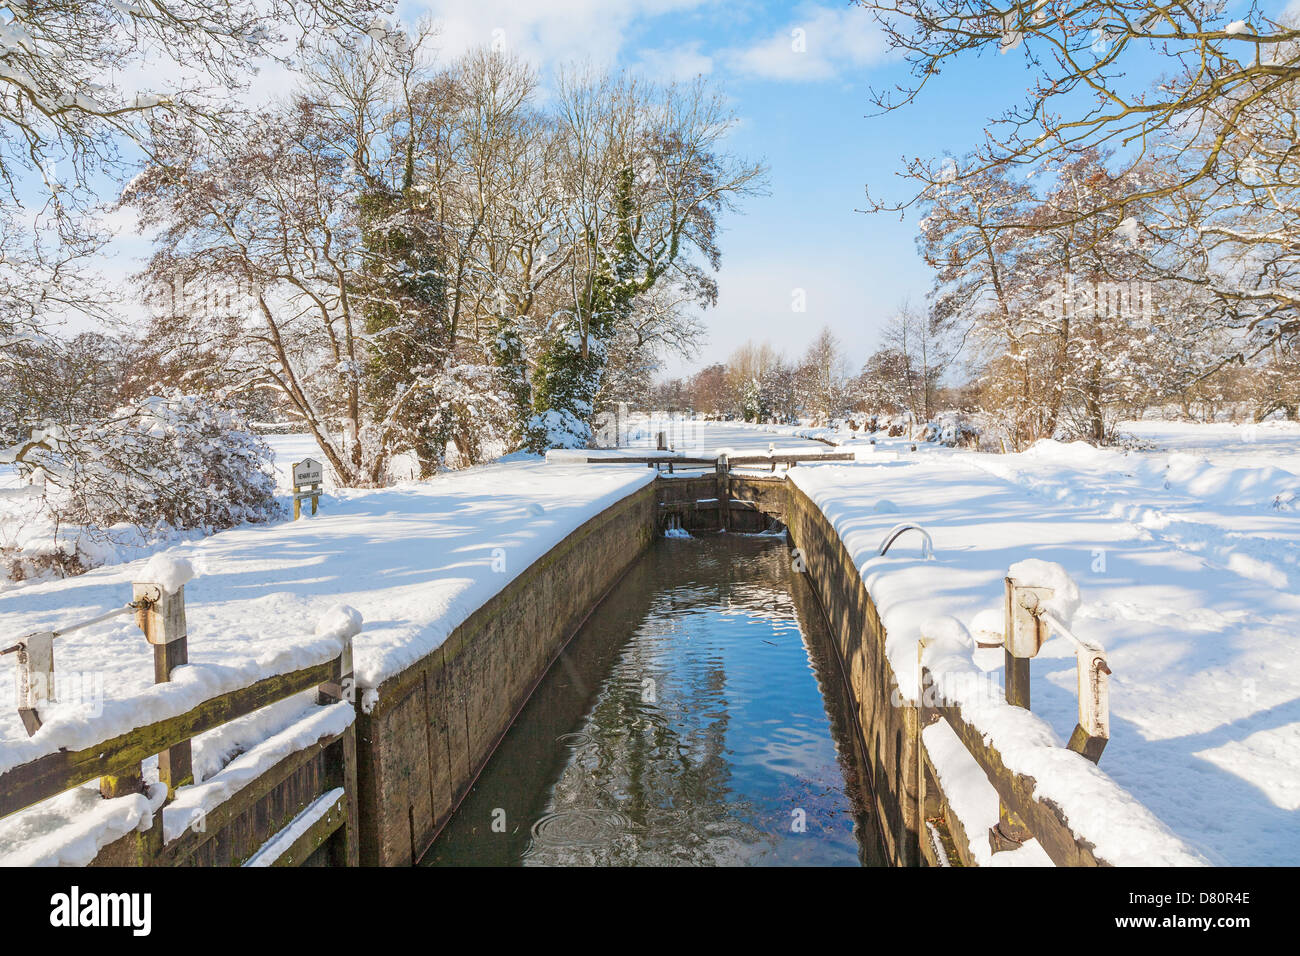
[(343, 688), (35, 677), (161, 615), (1093, 730), (1024, 633)]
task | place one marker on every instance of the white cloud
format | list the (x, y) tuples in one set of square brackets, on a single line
[(816, 45), (544, 32), (681, 62)]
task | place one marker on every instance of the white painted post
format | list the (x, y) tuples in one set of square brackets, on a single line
[(1092, 733), (35, 677), (1094, 694)]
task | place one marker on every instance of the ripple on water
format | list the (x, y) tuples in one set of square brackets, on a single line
[(577, 826)]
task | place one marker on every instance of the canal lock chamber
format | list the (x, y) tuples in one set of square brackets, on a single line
[(698, 717)]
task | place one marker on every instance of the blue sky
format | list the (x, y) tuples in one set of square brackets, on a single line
[(805, 113)]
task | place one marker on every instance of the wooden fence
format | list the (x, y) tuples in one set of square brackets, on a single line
[(1022, 814), (116, 761)]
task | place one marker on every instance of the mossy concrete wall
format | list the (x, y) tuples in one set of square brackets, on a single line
[(437, 722)]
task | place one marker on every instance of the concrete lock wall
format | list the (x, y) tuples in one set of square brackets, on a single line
[(437, 722)]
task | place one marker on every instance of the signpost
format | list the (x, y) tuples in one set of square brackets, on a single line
[(307, 475)]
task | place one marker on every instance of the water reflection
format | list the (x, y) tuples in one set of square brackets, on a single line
[(697, 719)]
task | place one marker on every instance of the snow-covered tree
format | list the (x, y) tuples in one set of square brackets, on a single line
[(311, 217), (643, 179), (823, 379), (155, 466), (82, 84)]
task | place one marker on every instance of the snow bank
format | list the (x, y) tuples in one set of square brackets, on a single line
[(72, 828), (1206, 670), (1070, 471)]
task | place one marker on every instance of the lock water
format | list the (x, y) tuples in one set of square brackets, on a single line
[(698, 718)]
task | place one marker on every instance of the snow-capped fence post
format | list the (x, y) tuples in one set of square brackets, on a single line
[(160, 613), (1023, 634)]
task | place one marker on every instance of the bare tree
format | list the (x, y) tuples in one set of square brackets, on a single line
[(823, 378), (1081, 96), (923, 354)]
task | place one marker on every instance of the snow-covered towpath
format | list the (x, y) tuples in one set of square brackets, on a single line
[(1188, 578), (416, 560)]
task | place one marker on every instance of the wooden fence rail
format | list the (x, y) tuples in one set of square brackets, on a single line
[(1038, 817), (48, 776), (743, 461), (116, 761)]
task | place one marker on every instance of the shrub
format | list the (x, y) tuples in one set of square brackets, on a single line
[(152, 468)]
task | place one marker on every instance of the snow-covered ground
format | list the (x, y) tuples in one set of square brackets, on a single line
[(1187, 559), (702, 438), (1188, 571), (1271, 443), (23, 527)]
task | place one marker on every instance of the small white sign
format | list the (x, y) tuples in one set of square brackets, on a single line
[(307, 472)]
